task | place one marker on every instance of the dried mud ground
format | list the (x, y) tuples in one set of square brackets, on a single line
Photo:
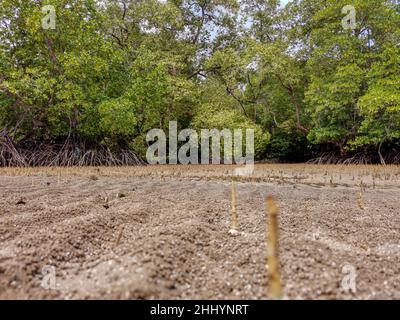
[(163, 233)]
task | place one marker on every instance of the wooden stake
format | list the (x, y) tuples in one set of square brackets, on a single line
[(234, 225), (121, 231), (274, 278), (360, 199)]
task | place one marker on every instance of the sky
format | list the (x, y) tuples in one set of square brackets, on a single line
[(284, 2)]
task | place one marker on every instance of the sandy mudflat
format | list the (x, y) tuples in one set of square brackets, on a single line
[(173, 225)]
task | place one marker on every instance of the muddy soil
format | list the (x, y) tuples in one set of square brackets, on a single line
[(164, 234)]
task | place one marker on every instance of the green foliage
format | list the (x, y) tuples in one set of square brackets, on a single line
[(117, 118), (352, 102), (212, 116), (288, 145), (380, 106), (110, 71)]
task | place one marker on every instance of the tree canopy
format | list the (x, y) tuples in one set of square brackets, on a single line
[(110, 71)]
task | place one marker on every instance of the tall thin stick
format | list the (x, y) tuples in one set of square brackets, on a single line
[(274, 277), (234, 225), (121, 231), (360, 199)]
